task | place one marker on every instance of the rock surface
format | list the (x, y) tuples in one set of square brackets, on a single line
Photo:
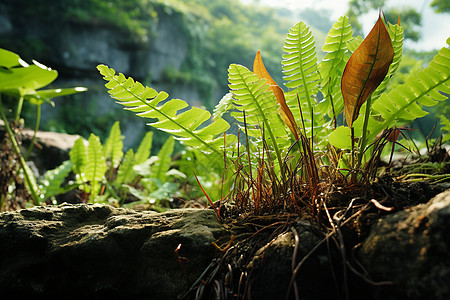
[(411, 248), (96, 251), (101, 252)]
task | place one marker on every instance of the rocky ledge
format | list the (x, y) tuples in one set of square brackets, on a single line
[(100, 252)]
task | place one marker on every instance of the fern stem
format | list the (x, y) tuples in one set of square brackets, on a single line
[(248, 154), (36, 128), (19, 108), (363, 141)]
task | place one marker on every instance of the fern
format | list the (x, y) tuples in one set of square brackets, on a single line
[(332, 66), (125, 173), (162, 165), (112, 149), (405, 102), (188, 126), (143, 151), (78, 158), (252, 96), (224, 105), (53, 180), (300, 69), (445, 128), (95, 168)]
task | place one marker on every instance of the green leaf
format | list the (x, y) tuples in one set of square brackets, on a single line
[(143, 151), (112, 149), (95, 167), (354, 43), (224, 105), (252, 95), (78, 158), (404, 103), (125, 173), (190, 127), (40, 96), (26, 80), (53, 180), (341, 137), (140, 194), (332, 66), (445, 128), (9, 59), (300, 69), (162, 165)]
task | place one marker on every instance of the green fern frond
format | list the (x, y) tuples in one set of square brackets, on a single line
[(187, 127), (353, 44), (252, 96), (144, 149), (95, 167), (162, 165), (112, 149), (445, 128), (78, 158), (396, 33), (300, 68), (405, 102), (333, 65), (53, 179), (224, 105), (125, 173)]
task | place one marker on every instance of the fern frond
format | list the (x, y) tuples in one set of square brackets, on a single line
[(112, 149), (125, 173), (300, 68), (53, 180), (445, 128), (405, 102), (252, 96), (187, 127), (144, 149), (333, 65), (78, 158), (162, 165), (95, 167), (353, 44), (396, 33), (225, 104)]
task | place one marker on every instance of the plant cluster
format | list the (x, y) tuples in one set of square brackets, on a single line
[(291, 148), (22, 82), (103, 173)]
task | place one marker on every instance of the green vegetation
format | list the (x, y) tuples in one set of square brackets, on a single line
[(331, 126), (22, 82), (353, 77)]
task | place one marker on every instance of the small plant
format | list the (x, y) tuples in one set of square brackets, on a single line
[(23, 82), (104, 173), (291, 146)]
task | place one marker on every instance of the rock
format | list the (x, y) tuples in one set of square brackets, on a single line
[(102, 252), (411, 248), (52, 148), (271, 267)]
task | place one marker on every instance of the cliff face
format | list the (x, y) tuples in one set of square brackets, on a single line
[(74, 49)]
